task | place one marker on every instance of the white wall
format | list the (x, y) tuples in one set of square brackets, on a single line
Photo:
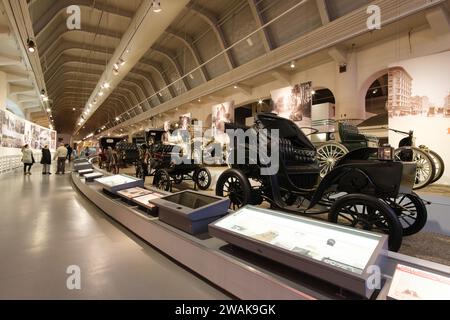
[(365, 65)]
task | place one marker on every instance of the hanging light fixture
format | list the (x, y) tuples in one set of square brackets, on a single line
[(156, 5), (292, 64), (31, 46)]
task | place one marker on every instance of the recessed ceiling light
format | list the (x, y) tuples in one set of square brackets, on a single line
[(292, 64), (49, 110), (117, 118), (101, 93), (313, 92), (235, 86), (106, 85), (260, 101), (31, 46), (73, 109), (156, 5), (199, 100), (45, 99)]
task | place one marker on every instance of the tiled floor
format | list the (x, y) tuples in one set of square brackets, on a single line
[(46, 226)]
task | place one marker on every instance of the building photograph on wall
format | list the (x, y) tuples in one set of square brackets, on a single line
[(419, 93)]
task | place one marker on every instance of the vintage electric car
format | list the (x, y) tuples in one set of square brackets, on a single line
[(366, 189)]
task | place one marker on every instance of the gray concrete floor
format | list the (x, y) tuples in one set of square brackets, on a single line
[(46, 226)]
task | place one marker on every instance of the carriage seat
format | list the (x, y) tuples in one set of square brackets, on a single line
[(352, 139)]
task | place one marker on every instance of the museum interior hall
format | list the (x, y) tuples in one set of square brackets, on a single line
[(219, 150)]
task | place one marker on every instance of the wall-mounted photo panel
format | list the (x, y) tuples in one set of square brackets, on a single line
[(294, 103), (221, 114), (419, 100)]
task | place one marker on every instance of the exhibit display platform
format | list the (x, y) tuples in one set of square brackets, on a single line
[(244, 274)]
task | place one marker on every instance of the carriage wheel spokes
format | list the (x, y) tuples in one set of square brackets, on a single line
[(328, 154)]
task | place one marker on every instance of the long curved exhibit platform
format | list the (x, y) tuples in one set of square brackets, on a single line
[(237, 271)]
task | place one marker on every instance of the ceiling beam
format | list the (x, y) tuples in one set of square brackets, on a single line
[(143, 32), (244, 89), (60, 6), (67, 45), (176, 66), (212, 22), (55, 39), (264, 34), (15, 89), (439, 21), (323, 11), (282, 76), (157, 68), (10, 61), (12, 77), (339, 54), (189, 43)]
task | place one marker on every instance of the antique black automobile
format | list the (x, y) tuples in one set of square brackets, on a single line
[(156, 159), (366, 189)]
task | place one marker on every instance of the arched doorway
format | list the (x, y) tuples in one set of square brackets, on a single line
[(247, 111), (377, 97), (323, 95)]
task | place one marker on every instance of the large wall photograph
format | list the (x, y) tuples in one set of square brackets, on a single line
[(16, 132), (419, 100), (294, 103), (221, 114)]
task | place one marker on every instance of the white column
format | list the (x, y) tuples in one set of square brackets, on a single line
[(348, 102), (3, 90)]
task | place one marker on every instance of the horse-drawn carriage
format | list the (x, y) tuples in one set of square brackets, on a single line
[(157, 160), (430, 166), (365, 189)]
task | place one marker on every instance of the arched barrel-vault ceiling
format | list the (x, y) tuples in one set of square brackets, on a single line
[(73, 60)]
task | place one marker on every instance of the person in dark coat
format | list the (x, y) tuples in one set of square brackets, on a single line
[(69, 152), (46, 160)]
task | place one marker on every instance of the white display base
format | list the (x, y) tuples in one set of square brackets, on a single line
[(239, 273)]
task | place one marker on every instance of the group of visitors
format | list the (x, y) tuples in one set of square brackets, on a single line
[(109, 159), (62, 154)]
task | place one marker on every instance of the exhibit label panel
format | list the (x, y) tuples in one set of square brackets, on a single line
[(419, 100), (330, 252)]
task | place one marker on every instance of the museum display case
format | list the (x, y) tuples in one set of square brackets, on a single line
[(191, 211), (337, 254), (410, 283), (133, 193), (85, 171), (115, 183), (82, 166), (90, 177)]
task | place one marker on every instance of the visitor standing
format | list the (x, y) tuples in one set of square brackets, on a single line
[(27, 159), (69, 152), (61, 156), (46, 160)]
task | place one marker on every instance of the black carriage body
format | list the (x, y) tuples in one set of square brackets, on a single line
[(129, 152), (298, 174), (107, 142)]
